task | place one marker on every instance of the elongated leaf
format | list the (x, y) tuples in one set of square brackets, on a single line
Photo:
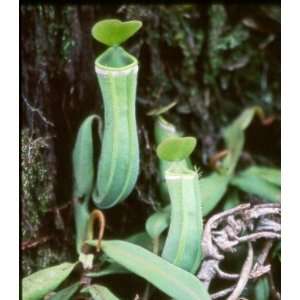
[(100, 292), (39, 284), (272, 175), (66, 293), (262, 289), (257, 186), (141, 239), (113, 32), (277, 250), (176, 148), (212, 189), (83, 165), (172, 280), (111, 269), (234, 137), (158, 222), (161, 110), (231, 200)]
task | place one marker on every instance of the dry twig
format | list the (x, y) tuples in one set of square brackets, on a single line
[(223, 232)]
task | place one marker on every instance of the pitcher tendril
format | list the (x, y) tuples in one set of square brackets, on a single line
[(96, 215)]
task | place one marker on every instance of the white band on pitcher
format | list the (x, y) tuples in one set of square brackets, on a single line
[(105, 72)]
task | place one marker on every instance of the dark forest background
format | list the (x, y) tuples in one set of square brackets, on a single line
[(214, 60)]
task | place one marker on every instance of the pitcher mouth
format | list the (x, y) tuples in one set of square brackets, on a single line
[(115, 59)]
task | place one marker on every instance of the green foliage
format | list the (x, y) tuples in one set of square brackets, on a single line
[(231, 200), (66, 293), (271, 175), (39, 284), (83, 166), (234, 137), (141, 239), (262, 289), (99, 292), (176, 148), (112, 32), (158, 222), (172, 280), (255, 185), (212, 189), (277, 251)]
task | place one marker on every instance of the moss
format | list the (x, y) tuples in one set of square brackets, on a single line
[(36, 184), (37, 187), (41, 258)]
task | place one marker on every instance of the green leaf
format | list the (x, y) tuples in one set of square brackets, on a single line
[(277, 250), (272, 175), (161, 110), (39, 284), (257, 186), (212, 189), (83, 165), (172, 280), (112, 32), (231, 200), (262, 289), (234, 137), (176, 148), (141, 239), (158, 222), (99, 292), (111, 269), (66, 293)]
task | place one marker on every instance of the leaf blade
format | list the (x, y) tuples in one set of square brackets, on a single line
[(234, 137), (67, 293), (271, 175), (82, 156), (212, 189), (100, 292), (112, 32), (38, 284), (158, 222), (172, 280), (257, 186), (176, 148)]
